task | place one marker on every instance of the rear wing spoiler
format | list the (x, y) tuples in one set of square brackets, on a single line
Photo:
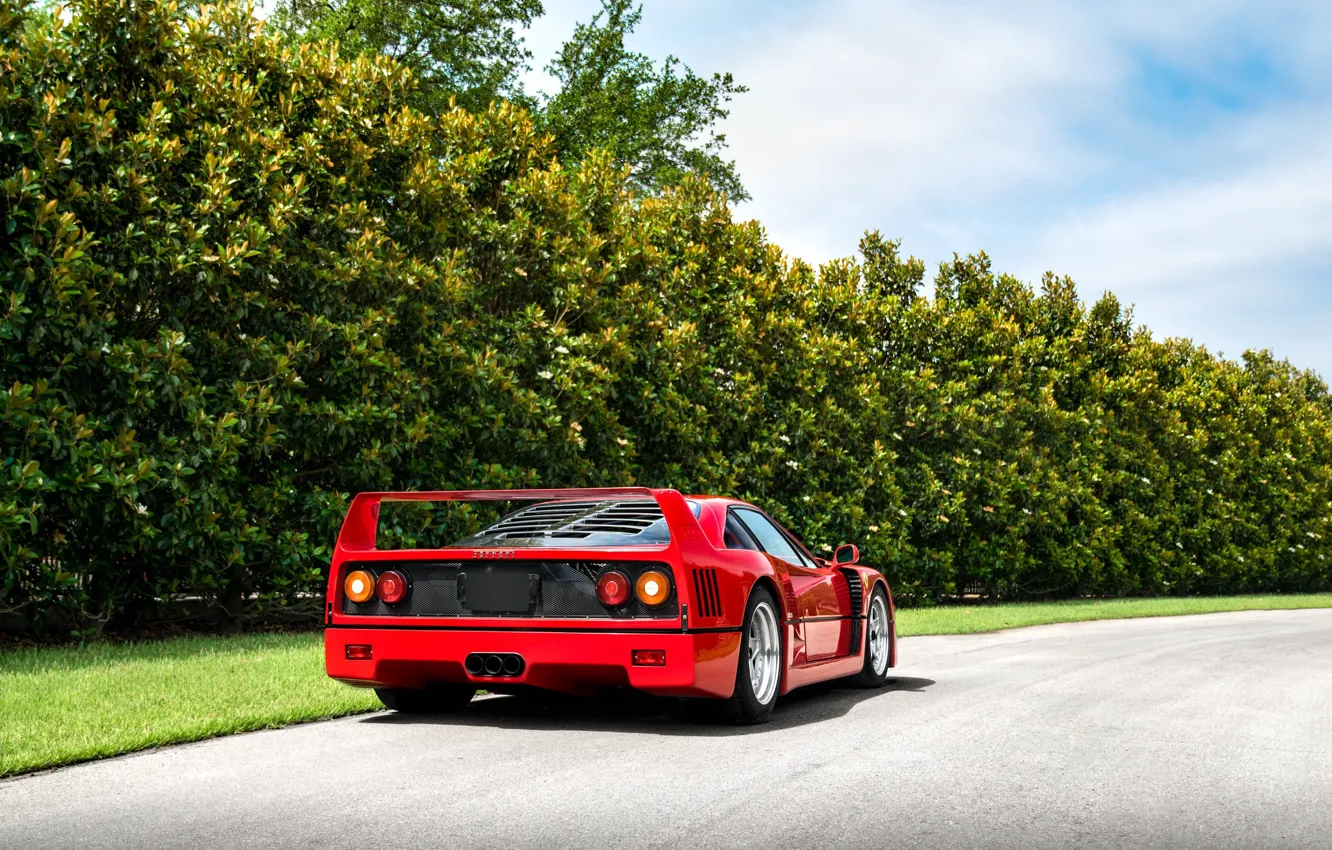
[(360, 527)]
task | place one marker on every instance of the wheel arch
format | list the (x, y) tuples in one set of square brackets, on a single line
[(881, 581), (770, 583)]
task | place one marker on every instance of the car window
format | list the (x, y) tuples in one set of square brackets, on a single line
[(736, 536), (770, 537), (804, 559)]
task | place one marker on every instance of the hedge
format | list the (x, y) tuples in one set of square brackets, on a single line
[(242, 281)]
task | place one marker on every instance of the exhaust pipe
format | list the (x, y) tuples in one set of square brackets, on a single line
[(494, 664)]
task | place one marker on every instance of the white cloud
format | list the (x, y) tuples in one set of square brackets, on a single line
[(1237, 261), (1030, 130), (868, 113), (1279, 213)]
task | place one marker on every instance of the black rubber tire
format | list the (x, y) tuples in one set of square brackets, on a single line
[(743, 708), (432, 699), (867, 678)]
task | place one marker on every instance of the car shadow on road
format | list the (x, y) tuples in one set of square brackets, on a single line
[(635, 712)]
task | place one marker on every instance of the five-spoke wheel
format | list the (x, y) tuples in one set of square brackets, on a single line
[(878, 642)]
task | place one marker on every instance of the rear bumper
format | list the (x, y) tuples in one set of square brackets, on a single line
[(697, 664)]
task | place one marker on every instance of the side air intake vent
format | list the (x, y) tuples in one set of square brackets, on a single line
[(705, 591), (857, 589)]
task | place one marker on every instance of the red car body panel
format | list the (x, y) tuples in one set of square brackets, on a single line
[(702, 641)]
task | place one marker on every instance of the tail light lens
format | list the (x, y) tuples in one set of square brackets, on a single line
[(649, 658), (653, 587), (392, 587), (359, 586), (613, 588), (359, 652)]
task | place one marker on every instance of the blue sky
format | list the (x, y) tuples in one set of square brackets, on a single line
[(1176, 153)]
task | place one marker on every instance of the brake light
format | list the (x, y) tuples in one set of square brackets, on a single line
[(649, 658), (653, 587), (392, 587), (359, 586), (612, 588)]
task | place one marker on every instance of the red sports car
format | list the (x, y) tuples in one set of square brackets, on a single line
[(587, 589)]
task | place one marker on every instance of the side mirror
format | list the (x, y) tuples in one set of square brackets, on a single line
[(847, 553)]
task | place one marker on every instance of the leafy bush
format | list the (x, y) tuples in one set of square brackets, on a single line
[(242, 281)]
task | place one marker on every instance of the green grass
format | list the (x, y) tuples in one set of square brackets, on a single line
[(968, 619), (67, 704)]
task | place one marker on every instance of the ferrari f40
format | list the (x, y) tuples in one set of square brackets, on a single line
[(581, 590)]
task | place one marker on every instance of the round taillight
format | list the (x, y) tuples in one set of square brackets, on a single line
[(359, 586), (613, 588), (653, 587), (392, 586)]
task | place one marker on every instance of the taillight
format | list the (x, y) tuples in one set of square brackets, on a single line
[(359, 586), (359, 652), (653, 587), (612, 588), (392, 587)]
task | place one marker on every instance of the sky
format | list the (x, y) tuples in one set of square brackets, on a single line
[(1177, 154)]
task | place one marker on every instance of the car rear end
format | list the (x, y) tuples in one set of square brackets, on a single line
[(580, 590)]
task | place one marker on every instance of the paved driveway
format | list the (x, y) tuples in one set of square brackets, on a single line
[(1212, 731)]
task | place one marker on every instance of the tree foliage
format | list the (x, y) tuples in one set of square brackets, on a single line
[(661, 122), (466, 51), (242, 280)]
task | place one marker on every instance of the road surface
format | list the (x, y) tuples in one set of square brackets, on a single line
[(1209, 731)]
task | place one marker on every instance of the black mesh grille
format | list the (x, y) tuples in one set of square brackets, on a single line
[(563, 589)]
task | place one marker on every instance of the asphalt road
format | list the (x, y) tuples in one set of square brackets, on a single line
[(1210, 731)]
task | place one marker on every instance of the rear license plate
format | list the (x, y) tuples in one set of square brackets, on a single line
[(499, 593)]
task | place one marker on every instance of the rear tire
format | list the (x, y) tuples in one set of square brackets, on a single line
[(432, 699), (758, 674), (878, 643)]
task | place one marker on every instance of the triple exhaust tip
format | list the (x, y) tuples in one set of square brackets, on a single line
[(494, 664)]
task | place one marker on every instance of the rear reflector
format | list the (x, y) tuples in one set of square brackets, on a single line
[(358, 652), (649, 658)]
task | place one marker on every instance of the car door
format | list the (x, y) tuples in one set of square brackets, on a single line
[(815, 587)]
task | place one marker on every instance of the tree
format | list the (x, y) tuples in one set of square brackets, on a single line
[(660, 121), (467, 50)]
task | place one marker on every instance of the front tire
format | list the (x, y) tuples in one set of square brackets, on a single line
[(432, 699), (758, 674), (878, 643)]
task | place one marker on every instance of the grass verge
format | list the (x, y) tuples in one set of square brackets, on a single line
[(969, 619), (68, 704)]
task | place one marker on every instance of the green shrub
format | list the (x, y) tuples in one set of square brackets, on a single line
[(241, 282)]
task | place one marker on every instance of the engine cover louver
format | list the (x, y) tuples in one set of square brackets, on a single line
[(577, 520), (707, 593)]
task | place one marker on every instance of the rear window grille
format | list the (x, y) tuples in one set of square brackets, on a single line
[(705, 591), (576, 520)]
